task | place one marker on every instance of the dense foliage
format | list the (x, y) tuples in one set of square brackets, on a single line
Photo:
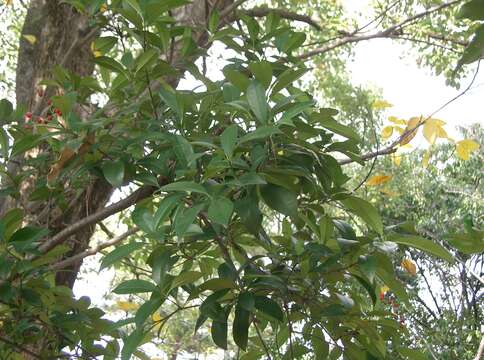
[(238, 205)]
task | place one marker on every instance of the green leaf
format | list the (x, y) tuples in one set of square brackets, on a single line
[(186, 277), (280, 199), (269, 307), (4, 143), (261, 132), (185, 218), (256, 98), (220, 210), (248, 210), (217, 284), (262, 71), (329, 123), (423, 244), (131, 343), (467, 243), (111, 64), (412, 354), (219, 330), (240, 328), (25, 143), (146, 59), (134, 287), (366, 211), (475, 50), (120, 253), (165, 207), (25, 238), (237, 78), (187, 186), (228, 140), (246, 300), (147, 309), (6, 109), (473, 10), (294, 110), (113, 171), (320, 346), (143, 218), (287, 78), (134, 4)]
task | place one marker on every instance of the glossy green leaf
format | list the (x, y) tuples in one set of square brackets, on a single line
[(187, 186), (119, 253), (256, 98), (280, 199), (262, 70), (366, 211), (262, 132), (240, 327), (220, 210), (113, 171), (423, 244), (228, 140), (269, 307), (134, 287)]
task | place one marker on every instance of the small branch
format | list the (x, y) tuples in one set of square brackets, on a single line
[(283, 13), (140, 194), (93, 251), (380, 34)]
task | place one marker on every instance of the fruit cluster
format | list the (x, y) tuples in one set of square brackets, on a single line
[(31, 120)]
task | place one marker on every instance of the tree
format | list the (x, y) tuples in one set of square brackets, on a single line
[(241, 207)]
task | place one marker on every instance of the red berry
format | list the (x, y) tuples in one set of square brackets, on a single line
[(58, 112), (49, 102), (49, 117), (40, 120), (28, 115)]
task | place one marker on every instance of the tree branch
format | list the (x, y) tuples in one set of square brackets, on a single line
[(380, 34), (93, 251), (283, 13), (140, 194)]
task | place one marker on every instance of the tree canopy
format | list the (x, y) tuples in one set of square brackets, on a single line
[(255, 207)]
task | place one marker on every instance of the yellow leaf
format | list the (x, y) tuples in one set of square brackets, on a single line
[(388, 192), (465, 148), (409, 266), (378, 180), (381, 105), (30, 38), (426, 159), (8, 2), (399, 130), (396, 120), (386, 132), (443, 134), (156, 317), (127, 305), (411, 130), (94, 51), (384, 289), (433, 129), (397, 159), (103, 8)]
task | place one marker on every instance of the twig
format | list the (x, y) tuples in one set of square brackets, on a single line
[(93, 251), (380, 34), (283, 13), (140, 194)]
